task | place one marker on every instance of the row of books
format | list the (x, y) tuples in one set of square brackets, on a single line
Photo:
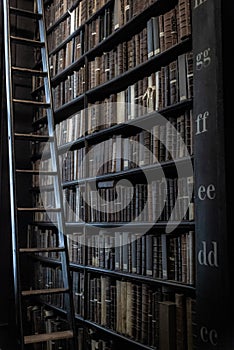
[(136, 311), (82, 11), (51, 277), (162, 143), (73, 50), (172, 84), (136, 101), (78, 292), (141, 202), (160, 34), (71, 128), (127, 55), (169, 85), (162, 256), (103, 115), (139, 311), (116, 16), (70, 88), (61, 31), (46, 277), (169, 257), (72, 165), (43, 238), (174, 140), (158, 201), (42, 319)]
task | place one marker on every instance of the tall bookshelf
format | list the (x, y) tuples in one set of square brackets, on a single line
[(213, 185), (138, 292), (133, 270)]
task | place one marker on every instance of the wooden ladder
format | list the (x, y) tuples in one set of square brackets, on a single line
[(37, 15)]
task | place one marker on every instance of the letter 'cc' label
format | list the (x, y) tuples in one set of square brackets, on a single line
[(209, 336)]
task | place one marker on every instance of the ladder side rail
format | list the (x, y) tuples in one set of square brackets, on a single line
[(57, 179), (12, 177)]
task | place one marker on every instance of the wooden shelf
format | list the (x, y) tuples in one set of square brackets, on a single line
[(135, 277), (137, 225), (130, 341), (167, 166)]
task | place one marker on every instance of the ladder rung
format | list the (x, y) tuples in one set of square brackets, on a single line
[(39, 338), (32, 103), (29, 71), (36, 172), (31, 137), (41, 250), (26, 293), (24, 13), (25, 41), (42, 210)]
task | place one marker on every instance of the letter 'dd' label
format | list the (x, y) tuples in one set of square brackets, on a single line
[(208, 257)]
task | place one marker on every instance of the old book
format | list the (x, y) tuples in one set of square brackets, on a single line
[(119, 308), (144, 313), (184, 19), (189, 70), (161, 33), (189, 322), (165, 258), (173, 81), (150, 38), (149, 257), (180, 322), (117, 15), (125, 252), (129, 305), (183, 87), (103, 301), (156, 35), (167, 325), (134, 254)]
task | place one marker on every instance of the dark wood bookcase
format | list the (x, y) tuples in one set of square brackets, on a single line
[(206, 296), (93, 276)]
